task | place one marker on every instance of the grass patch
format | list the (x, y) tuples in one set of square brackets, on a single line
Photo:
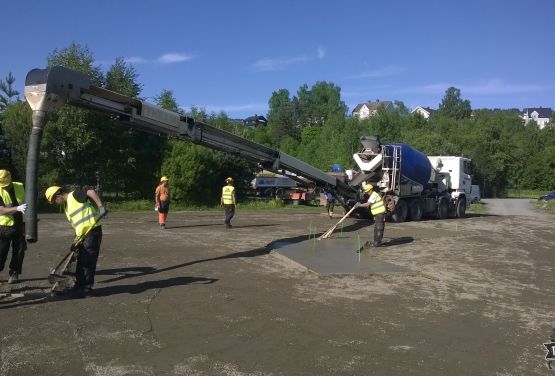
[(477, 208), (525, 193), (548, 206), (147, 205)]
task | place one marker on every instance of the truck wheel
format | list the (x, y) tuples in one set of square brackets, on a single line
[(442, 208), (415, 210), (460, 210), (269, 192), (401, 211)]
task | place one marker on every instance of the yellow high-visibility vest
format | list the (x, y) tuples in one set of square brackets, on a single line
[(7, 219), (227, 194), (378, 206), (81, 215)]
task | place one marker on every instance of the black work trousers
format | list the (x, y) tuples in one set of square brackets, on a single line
[(9, 235), (379, 227), (87, 256), (229, 213)]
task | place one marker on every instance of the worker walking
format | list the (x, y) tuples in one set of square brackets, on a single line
[(84, 209), (330, 203), (228, 201), (377, 209), (12, 225), (162, 198)]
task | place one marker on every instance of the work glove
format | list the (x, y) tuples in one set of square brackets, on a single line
[(156, 208), (21, 208), (74, 244), (357, 205), (102, 211)]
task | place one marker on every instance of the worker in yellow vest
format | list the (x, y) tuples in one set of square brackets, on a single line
[(83, 208), (228, 201), (12, 225), (377, 209)]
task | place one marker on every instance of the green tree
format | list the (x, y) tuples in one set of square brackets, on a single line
[(317, 105), (78, 58), (7, 93), (16, 126), (122, 78), (453, 106), (281, 117), (167, 101)]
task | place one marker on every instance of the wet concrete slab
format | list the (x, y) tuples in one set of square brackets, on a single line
[(337, 256)]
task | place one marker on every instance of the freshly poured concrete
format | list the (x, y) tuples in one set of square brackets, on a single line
[(337, 256)]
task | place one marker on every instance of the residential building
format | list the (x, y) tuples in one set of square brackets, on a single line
[(425, 112), (255, 121), (540, 115), (365, 110)]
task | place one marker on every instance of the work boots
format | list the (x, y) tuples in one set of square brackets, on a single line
[(14, 277)]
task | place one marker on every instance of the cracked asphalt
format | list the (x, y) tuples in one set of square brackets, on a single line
[(197, 299)]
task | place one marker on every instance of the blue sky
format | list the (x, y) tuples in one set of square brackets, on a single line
[(231, 55)]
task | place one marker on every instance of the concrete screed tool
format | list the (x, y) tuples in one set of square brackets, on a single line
[(330, 231)]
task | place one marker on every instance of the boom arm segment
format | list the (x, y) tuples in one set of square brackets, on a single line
[(48, 89)]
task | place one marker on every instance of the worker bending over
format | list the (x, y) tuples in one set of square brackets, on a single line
[(377, 209), (228, 201), (84, 217)]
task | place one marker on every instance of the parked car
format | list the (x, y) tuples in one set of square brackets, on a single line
[(549, 196), (475, 195)]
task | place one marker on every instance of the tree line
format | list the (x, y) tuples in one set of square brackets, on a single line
[(89, 148)]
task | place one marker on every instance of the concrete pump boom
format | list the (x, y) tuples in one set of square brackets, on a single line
[(48, 89)]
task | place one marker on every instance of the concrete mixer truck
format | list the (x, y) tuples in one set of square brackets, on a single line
[(414, 184)]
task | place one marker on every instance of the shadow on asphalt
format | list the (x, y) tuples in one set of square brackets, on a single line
[(44, 297), (150, 285), (217, 224), (124, 273), (398, 241)]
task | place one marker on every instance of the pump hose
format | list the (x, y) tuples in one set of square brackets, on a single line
[(31, 190)]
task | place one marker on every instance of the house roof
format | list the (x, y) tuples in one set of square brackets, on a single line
[(543, 112), (256, 118), (372, 106), (427, 109)]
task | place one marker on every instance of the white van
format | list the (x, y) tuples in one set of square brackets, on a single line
[(475, 195)]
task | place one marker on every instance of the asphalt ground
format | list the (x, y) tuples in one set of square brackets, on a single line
[(197, 299)]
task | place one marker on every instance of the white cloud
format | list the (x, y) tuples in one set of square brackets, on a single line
[(171, 58), (135, 60), (274, 64), (489, 87), (277, 64), (380, 72), (168, 58)]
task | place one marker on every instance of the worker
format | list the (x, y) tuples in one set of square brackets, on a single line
[(377, 209), (228, 201), (162, 198), (85, 220), (12, 225), (330, 203)]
